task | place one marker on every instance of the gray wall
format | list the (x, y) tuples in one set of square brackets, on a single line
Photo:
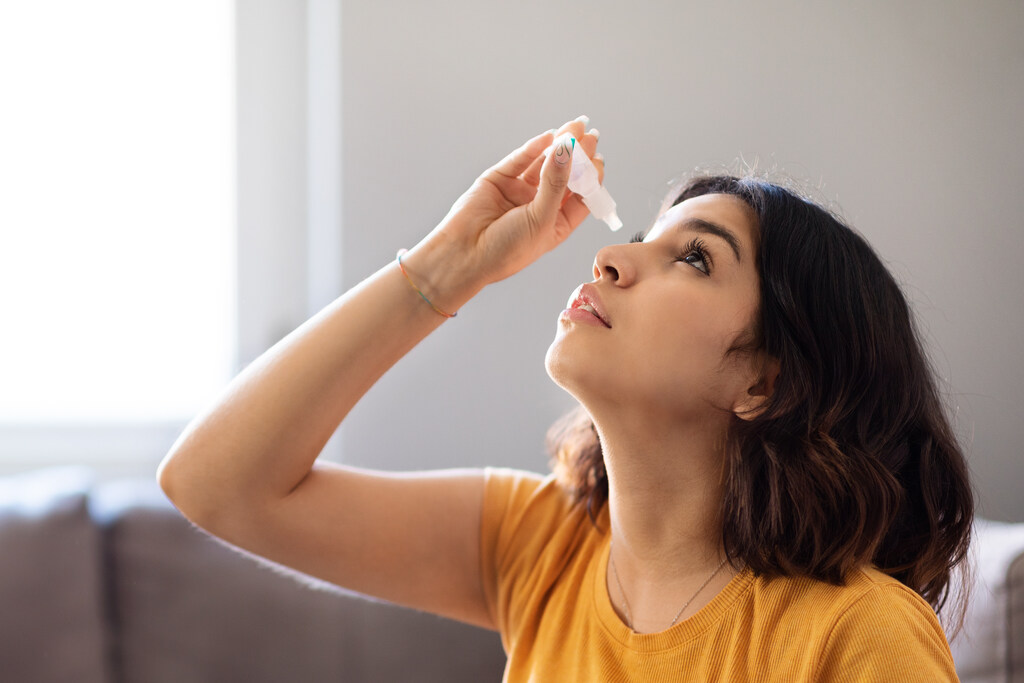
[(904, 115)]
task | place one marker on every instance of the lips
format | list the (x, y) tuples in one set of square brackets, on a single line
[(587, 299)]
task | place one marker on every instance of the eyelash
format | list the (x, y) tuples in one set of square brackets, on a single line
[(694, 246)]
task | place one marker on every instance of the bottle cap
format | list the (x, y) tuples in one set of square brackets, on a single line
[(602, 206)]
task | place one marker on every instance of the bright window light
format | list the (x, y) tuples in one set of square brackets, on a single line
[(117, 220)]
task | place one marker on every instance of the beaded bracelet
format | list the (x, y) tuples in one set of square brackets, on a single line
[(422, 295)]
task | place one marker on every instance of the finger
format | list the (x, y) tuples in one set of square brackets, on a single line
[(519, 160), (576, 127), (574, 210), (532, 174), (554, 179), (573, 128), (588, 141)]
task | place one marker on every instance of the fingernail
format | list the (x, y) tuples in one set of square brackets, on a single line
[(562, 151), (553, 131), (595, 132), (585, 119)]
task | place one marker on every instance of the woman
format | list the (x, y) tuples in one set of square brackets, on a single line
[(759, 485)]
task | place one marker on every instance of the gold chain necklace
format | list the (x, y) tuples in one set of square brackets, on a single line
[(625, 600)]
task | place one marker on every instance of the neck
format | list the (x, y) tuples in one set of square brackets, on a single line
[(664, 497), (664, 504)]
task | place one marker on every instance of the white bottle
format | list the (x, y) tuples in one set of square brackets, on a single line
[(584, 181)]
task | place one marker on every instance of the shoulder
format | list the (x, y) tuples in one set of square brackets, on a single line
[(879, 629), (865, 588), (505, 487), (865, 591), (510, 495), (869, 589), (870, 628), (530, 530), (884, 606), (523, 506)]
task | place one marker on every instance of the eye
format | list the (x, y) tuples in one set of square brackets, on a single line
[(696, 254), (637, 237)]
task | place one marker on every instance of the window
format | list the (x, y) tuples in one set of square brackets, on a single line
[(169, 174), (117, 256)]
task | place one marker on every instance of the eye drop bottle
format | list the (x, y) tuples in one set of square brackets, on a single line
[(584, 181)]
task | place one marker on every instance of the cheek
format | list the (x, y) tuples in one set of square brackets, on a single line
[(698, 329), (690, 349)]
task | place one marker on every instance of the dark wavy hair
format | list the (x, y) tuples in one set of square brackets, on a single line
[(853, 461)]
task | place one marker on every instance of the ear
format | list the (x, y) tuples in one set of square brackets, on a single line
[(755, 399)]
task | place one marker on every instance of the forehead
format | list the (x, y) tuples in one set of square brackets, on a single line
[(726, 210)]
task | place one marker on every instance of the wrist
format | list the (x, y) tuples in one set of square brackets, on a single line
[(443, 272)]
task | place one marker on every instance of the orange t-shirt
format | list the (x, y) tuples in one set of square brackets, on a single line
[(544, 567)]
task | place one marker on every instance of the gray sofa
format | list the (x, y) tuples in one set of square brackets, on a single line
[(107, 582)]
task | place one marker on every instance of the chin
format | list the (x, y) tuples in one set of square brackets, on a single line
[(568, 370), (551, 363), (556, 361)]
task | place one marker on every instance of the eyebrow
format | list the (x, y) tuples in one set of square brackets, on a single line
[(708, 228)]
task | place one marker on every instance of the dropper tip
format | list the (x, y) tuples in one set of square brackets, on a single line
[(613, 221)]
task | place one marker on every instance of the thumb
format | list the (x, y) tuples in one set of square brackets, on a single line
[(554, 178)]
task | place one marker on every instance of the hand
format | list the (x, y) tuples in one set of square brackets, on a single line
[(515, 212)]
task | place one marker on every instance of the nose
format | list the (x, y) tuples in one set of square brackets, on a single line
[(616, 263)]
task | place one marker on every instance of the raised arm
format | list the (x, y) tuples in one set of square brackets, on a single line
[(246, 471)]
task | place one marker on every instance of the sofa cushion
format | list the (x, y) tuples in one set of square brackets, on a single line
[(990, 648), (397, 644), (53, 625), (1015, 618), (192, 608)]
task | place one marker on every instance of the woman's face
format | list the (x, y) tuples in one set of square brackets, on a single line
[(667, 311)]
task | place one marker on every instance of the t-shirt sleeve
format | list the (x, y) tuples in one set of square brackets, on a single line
[(520, 509), (889, 634)]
